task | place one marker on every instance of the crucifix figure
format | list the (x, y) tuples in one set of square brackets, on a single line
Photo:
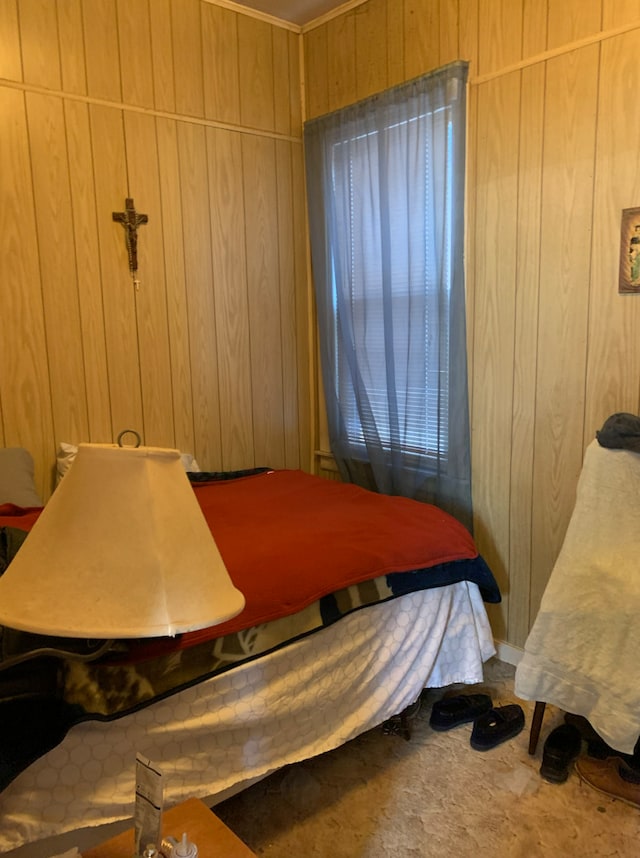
[(131, 220)]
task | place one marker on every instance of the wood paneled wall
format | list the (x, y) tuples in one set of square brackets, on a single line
[(553, 142), (194, 111)]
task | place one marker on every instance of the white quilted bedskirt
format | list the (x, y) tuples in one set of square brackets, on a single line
[(295, 703)]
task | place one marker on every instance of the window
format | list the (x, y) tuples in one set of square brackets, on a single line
[(409, 327)]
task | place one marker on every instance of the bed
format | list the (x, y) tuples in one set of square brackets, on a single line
[(353, 607)]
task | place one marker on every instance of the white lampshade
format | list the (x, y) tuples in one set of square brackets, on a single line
[(122, 550)]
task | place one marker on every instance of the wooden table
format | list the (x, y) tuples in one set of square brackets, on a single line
[(211, 836)]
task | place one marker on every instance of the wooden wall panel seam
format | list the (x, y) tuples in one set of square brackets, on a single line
[(561, 50), (527, 321), (11, 62), (162, 114), (587, 438)]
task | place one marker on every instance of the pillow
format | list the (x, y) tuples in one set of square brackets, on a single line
[(16, 478), (67, 453), (189, 463)]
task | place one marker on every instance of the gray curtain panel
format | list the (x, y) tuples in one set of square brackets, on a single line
[(385, 182)]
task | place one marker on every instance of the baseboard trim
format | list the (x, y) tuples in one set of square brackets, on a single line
[(509, 653)]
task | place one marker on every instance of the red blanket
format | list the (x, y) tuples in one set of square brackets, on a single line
[(288, 538), (22, 518)]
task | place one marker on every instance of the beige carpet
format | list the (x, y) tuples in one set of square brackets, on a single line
[(380, 796)]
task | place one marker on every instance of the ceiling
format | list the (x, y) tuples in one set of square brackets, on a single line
[(295, 11)]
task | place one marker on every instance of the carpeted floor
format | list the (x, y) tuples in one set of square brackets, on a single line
[(380, 795)]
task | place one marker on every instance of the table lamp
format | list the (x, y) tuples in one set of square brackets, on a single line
[(121, 550)]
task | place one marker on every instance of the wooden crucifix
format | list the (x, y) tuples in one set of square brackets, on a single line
[(131, 220)]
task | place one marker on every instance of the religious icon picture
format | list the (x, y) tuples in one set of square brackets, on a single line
[(629, 278)]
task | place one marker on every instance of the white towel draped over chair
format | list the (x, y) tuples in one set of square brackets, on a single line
[(583, 652)]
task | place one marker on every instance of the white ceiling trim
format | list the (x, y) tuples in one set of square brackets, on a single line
[(281, 22), (255, 13), (340, 10)]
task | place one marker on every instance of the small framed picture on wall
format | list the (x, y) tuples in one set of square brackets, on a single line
[(629, 279)]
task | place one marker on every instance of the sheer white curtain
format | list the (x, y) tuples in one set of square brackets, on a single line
[(385, 181)]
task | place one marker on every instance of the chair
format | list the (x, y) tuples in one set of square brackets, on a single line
[(582, 652)]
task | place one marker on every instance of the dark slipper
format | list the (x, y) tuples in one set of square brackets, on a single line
[(561, 748), (452, 711), (498, 725)]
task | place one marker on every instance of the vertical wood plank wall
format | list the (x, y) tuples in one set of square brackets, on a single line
[(553, 143), (193, 110)]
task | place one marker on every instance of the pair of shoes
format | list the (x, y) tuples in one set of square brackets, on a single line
[(562, 747), (450, 712), (612, 777), (498, 725)]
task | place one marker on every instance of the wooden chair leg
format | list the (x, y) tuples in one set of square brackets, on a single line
[(536, 724)]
